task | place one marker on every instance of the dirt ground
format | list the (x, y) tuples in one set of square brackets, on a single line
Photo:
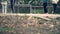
[(28, 25)]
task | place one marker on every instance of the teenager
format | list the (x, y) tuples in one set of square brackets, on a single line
[(54, 3), (45, 6)]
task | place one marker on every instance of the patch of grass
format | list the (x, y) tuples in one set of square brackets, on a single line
[(6, 29)]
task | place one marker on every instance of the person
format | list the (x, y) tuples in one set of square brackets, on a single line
[(12, 2), (45, 6), (54, 3)]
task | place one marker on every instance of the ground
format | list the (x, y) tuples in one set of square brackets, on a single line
[(15, 24)]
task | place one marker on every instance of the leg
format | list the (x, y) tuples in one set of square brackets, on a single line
[(54, 8), (45, 7), (12, 5), (5, 9), (13, 8)]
